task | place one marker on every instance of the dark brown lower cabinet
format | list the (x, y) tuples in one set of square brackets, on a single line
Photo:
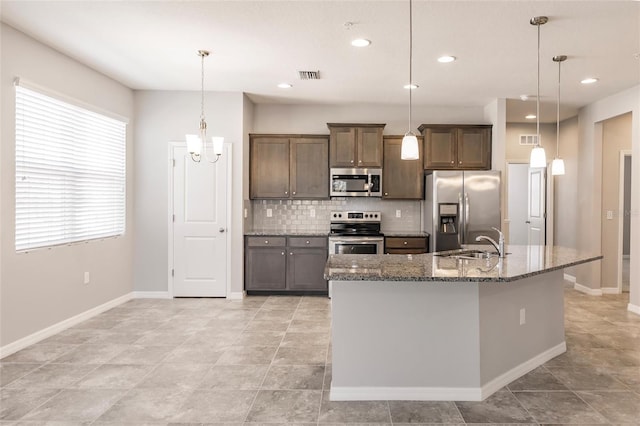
[(406, 245), (296, 265)]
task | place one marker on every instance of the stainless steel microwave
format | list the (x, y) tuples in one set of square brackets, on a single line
[(356, 182)]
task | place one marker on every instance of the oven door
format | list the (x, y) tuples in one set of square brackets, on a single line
[(356, 245)]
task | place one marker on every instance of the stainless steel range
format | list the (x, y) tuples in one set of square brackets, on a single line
[(356, 233)]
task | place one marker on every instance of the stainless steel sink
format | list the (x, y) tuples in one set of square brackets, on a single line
[(468, 254)]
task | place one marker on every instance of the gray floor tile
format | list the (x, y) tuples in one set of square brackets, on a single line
[(587, 378), (215, 406), (274, 314), (285, 406), (309, 355), (299, 339), (310, 326), (501, 407), (247, 377), (558, 407), (175, 376), (194, 354), (260, 325), (54, 376), (140, 354), (40, 353), (538, 379), (259, 338), (91, 354), (616, 407), (15, 403), (10, 372), (294, 377), (147, 405), (424, 412), (76, 405), (247, 355), (353, 411), (114, 376)]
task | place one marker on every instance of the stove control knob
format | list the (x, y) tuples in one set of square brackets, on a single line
[(376, 215), (366, 216)]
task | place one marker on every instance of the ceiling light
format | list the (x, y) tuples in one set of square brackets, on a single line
[(197, 143), (360, 42), (446, 59), (411, 86), (409, 149), (538, 156), (589, 80), (285, 86), (530, 116), (557, 165)]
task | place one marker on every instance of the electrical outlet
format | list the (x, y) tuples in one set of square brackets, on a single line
[(609, 214), (398, 213), (523, 318), (87, 278), (312, 213), (246, 213), (269, 213)]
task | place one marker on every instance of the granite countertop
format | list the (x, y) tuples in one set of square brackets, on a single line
[(521, 262), (286, 234), (406, 234)]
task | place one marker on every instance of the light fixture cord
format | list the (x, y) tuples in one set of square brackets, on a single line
[(202, 87), (410, 59), (558, 115), (538, 91)]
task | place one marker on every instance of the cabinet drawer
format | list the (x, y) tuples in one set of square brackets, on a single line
[(308, 242), (405, 251), (266, 241), (405, 242)]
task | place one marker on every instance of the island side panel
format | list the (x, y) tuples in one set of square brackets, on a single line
[(509, 350), (405, 340)]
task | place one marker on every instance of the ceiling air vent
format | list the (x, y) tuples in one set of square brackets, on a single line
[(528, 139), (309, 75)]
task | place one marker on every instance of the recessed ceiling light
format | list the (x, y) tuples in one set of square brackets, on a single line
[(285, 86), (530, 117), (589, 80), (411, 86), (360, 42), (445, 59)]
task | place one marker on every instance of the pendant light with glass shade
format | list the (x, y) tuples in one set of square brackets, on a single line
[(409, 148), (557, 165), (197, 143), (538, 157)]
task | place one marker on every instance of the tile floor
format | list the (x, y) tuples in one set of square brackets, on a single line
[(268, 360)]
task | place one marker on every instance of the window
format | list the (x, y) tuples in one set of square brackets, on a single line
[(70, 172)]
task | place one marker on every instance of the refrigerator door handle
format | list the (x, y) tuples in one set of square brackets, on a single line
[(461, 221), (467, 215)]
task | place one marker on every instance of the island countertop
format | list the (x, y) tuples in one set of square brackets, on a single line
[(520, 262)]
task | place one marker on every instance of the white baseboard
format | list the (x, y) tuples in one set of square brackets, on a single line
[(60, 326), (364, 393), (236, 295), (587, 290), (611, 290), (633, 308), (570, 278), (151, 295)]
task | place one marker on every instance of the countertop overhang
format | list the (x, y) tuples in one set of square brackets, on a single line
[(521, 262)]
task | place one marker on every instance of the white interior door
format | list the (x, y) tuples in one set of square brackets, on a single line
[(517, 204), (199, 226), (536, 213)]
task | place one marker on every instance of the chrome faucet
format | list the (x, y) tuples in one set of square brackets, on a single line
[(499, 246)]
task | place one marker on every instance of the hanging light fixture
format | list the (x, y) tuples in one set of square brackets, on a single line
[(196, 144), (538, 157), (557, 165), (409, 148)]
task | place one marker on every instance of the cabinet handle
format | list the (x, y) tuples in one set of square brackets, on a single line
[(294, 192), (286, 192), (360, 161), (351, 161), (307, 242), (459, 162), (266, 241), (291, 254), (386, 193), (405, 243), (282, 253)]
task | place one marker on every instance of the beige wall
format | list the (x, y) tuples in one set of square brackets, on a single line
[(616, 136), (44, 287), (566, 187)]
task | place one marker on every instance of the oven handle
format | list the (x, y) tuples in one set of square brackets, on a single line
[(363, 240)]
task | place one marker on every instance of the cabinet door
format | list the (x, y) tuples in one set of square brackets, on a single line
[(309, 174), (369, 143), (269, 160), (474, 148), (405, 245), (440, 148), (343, 147), (265, 268), (305, 269), (401, 179)]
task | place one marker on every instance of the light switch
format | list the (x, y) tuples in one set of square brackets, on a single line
[(398, 213), (609, 214)]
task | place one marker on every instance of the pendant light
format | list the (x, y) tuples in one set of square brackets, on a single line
[(409, 148), (557, 165), (538, 157), (197, 143)]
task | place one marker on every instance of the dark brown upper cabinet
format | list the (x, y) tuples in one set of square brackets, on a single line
[(456, 147), (289, 166), (401, 179), (355, 145)]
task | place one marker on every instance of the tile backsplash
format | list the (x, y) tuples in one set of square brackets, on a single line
[(313, 215)]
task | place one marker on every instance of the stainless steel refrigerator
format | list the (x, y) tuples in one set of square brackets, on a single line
[(461, 205)]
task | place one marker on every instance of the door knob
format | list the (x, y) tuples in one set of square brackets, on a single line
[(527, 221), (221, 230)]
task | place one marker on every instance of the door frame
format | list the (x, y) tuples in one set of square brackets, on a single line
[(226, 156), (623, 153), (505, 196)]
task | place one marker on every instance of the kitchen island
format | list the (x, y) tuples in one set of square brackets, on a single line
[(444, 326)]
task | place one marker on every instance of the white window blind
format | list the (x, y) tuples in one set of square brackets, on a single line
[(70, 172)]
